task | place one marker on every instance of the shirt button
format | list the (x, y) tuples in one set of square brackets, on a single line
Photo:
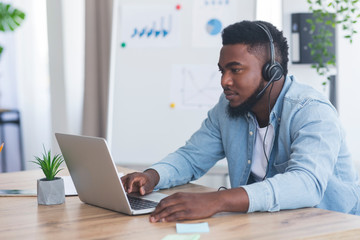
[(249, 161), (251, 133)]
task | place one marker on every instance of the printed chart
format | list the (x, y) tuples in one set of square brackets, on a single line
[(150, 26), (195, 86), (209, 19)]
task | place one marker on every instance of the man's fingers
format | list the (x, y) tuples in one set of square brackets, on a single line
[(128, 181), (166, 207), (124, 181), (142, 190), (170, 213), (134, 183), (180, 215), (181, 206), (137, 182), (176, 213)]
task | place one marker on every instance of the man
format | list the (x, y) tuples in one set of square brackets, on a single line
[(283, 141)]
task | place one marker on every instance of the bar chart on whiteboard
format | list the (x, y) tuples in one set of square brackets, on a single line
[(150, 26)]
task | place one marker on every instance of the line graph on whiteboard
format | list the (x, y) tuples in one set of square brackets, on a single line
[(195, 86)]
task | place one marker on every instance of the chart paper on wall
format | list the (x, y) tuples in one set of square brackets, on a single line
[(195, 86), (150, 25)]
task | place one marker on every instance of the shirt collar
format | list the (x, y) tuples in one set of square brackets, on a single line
[(275, 115)]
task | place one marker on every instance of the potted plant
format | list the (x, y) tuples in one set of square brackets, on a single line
[(50, 190)]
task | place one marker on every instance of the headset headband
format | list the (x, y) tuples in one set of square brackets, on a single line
[(272, 51)]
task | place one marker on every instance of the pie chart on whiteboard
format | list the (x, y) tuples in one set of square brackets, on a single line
[(213, 26)]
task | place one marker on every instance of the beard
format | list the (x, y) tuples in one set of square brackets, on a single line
[(247, 105)]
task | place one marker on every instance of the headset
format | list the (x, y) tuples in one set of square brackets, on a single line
[(272, 70)]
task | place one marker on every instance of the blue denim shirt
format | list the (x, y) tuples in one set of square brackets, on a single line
[(309, 164)]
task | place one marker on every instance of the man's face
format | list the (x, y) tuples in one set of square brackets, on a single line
[(241, 78)]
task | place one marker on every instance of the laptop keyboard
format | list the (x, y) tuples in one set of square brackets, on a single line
[(139, 203)]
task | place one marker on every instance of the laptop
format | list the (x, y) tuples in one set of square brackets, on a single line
[(96, 178)]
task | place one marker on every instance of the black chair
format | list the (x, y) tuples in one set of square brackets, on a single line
[(10, 117)]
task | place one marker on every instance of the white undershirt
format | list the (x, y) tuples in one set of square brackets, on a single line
[(259, 161)]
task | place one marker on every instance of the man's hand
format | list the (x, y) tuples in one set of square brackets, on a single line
[(181, 206), (143, 183)]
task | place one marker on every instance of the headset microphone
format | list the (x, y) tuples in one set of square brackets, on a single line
[(272, 71), (261, 93)]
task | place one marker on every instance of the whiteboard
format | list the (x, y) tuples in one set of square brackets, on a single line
[(164, 75)]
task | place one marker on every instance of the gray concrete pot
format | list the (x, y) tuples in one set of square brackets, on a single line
[(50, 192)]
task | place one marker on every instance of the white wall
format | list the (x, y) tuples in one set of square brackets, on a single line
[(348, 87), (348, 81)]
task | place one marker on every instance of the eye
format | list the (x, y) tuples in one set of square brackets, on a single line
[(221, 71), (235, 70)]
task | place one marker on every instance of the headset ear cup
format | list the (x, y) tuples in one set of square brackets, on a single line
[(274, 71)]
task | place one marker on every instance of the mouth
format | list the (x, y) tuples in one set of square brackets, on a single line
[(230, 95)]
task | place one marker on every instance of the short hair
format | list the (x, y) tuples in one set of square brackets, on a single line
[(249, 33)]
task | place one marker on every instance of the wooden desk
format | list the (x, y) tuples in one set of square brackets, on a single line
[(23, 218)]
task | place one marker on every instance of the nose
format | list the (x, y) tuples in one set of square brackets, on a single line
[(226, 80)]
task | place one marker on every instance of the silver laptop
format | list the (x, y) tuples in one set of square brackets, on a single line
[(96, 178)]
